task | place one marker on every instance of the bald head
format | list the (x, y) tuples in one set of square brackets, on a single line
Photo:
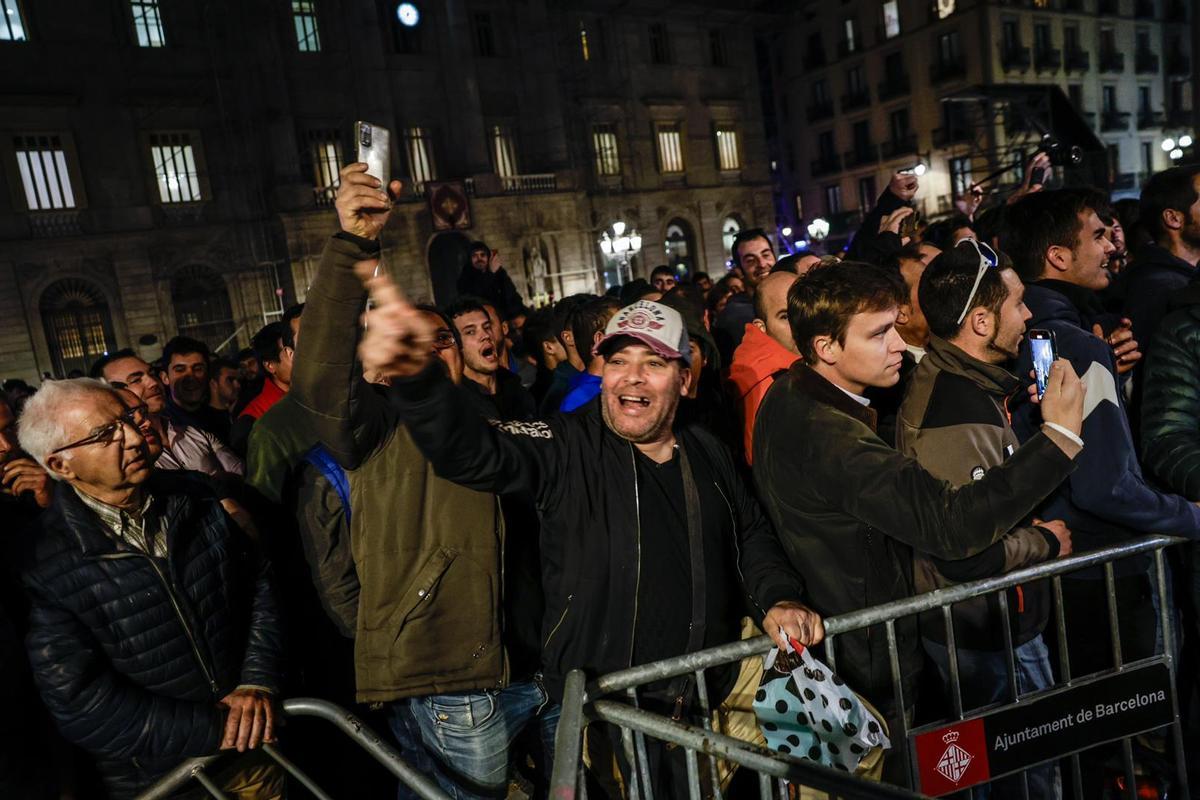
[(770, 307)]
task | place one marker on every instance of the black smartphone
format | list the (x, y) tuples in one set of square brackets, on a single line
[(1041, 343), (372, 146), (908, 225), (1037, 176)]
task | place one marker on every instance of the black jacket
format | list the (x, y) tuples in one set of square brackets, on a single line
[(849, 509), (132, 653), (495, 287), (871, 245), (1171, 399), (583, 479)]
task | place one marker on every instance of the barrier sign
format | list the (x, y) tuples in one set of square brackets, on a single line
[(1018, 736)]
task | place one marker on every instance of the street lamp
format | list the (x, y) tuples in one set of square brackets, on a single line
[(1168, 145), (787, 231), (818, 229), (619, 246), (1185, 141), (1176, 154)]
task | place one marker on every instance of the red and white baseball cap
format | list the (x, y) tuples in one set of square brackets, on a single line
[(657, 326)]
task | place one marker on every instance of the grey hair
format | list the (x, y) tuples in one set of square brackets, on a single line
[(40, 429)]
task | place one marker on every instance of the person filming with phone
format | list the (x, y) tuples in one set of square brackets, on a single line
[(1058, 245)]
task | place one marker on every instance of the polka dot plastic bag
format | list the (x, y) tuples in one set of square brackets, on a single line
[(807, 711)]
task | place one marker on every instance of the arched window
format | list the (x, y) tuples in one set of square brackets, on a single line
[(202, 309), (78, 325), (681, 248), (730, 228)]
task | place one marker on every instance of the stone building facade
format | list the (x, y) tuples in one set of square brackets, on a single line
[(871, 91), (166, 167)]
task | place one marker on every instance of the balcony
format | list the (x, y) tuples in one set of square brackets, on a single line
[(1149, 119), (825, 164), (942, 71), (1112, 61), (1089, 117), (54, 224), (1179, 64), (1047, 60), (954, 134), (894, 86), (1176, 11), (819, 111), (529, 184), (1114, 120), (865, 153), (1015, 58), (859, 99), (1143, 9), (1078, 61), (902, 146), (1145, 63)]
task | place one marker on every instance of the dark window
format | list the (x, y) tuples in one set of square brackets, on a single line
[(1114, 159), (893, 66), (660, 47), (898, 124), (1041, 37), (855, 85), (862, 136), (833, 199), (1075, 93), (820, 92), (202, 309), (485, 38), (1109, 99), (1148, 156), (716, 48), (1143, 99), (816, 49), (1108, 40), (1011, 34), (866, 193), (1071, 39), (825, 144), (406, 40), (948, 47)]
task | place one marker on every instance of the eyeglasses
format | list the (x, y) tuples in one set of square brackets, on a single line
[(443, 339), (110, 432), (987, 258)]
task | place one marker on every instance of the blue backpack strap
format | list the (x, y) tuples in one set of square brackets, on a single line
[(319, 457)]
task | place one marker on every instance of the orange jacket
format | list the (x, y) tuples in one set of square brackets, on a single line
[(755, 362)]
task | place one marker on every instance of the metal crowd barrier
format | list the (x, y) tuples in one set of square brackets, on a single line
[(381, 750), (614, 699)]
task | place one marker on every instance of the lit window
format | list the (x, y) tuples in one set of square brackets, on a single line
[(604, 146), (891, 18), (945, 8), (43, 167), (175, 168), (147, 23), (420, 157), (12, 26), (327, 165), (304, 19), (727, 149), (833, 199), (504, 152), (583, 43), (851, 38), (960, 175), (670, 150)]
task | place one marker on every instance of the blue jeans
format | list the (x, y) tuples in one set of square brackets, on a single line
[(462, 740), (983, 678)]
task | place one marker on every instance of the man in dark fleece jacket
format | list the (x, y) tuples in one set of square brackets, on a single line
[(849, 509), (1059, 249), (647, 529)]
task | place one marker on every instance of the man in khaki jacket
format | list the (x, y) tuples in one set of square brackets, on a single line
[(432, 640)]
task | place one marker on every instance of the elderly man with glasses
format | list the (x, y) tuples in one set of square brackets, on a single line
[(154, 633)]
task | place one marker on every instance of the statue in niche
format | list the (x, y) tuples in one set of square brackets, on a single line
[(535, 270)]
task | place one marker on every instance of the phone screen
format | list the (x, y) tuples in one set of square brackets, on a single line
[(1043, 357)]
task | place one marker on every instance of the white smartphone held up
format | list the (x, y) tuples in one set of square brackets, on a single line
[(373, 147)]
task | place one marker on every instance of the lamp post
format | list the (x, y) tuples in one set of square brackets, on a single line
[(619, 246)]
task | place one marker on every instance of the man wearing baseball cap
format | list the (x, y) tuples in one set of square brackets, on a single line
[(646, 527)]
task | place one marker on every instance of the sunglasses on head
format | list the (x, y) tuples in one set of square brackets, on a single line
[(987, 259)]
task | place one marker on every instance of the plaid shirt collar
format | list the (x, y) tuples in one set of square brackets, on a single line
[(143, 530)]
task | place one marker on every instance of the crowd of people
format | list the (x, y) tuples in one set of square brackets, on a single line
[(434, 514)]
